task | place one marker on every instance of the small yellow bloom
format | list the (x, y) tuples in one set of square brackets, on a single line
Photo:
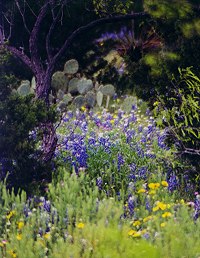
[(166, 214), (182, 201), (81, 225), (142, 190), (155, 208), (112, 121), (19, 237), (10, 214), (12, 253), (154, 185), (162, 206), (83, 108), (136, 223), (115, 116), (20, 224), (118, 100), (47, 235), (152, 192), (163, 225), (131, 232), (164, 183), (137, 234), (147, 218)]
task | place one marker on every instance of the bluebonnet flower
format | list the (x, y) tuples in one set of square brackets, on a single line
[(120, 161), (197, 207), (147, 204), (131, 205), (99, 183), (172, 182), (142, 173), (140, 128)]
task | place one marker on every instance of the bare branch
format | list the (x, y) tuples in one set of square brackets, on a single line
[(33, 40), (55, 19), (30, 8), (22, 15)]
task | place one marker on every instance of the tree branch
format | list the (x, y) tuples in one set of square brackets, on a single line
[(22, 15), (91, 25), (21, 55), (55, 19), (33, 40)]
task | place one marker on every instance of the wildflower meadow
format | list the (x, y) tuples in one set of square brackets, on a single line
[(116, 194), (99, 129)]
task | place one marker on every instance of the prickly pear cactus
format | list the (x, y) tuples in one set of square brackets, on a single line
[(99, 98), (59, 81), (108, 90), (84, 86), (90, 99), (71, 66), (60, 94), (33, 83), (62, 105), (72, 86), (67, 98), (24, 89), (79, 101), (128, 103)]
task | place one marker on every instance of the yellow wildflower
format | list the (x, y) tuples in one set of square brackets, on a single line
[(155, 208), (163, 225), (182, 201), (10, 214), (12, 253), (164, 183), (47, 235), (83, 108), (20, 224), (118, 100), (152, 192), (147, 218), (154, 185), (142, 190), (136, 223), (166, 214), (137, 234), (131, 232), (115, 116), (112, 121), (161, 206), (81, 225), (19, 237)]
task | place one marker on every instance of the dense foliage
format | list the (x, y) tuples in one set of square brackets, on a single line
[(19, 153)]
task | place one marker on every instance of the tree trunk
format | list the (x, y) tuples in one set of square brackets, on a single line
[(49, 141)]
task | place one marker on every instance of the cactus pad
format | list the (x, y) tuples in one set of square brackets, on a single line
[(59, 81), (24, 89), (71, 66), (84, 86), (72, 86), (60, 94), (67, 98), (90, 99), (79, 101), (108, 90), (99, 98)]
